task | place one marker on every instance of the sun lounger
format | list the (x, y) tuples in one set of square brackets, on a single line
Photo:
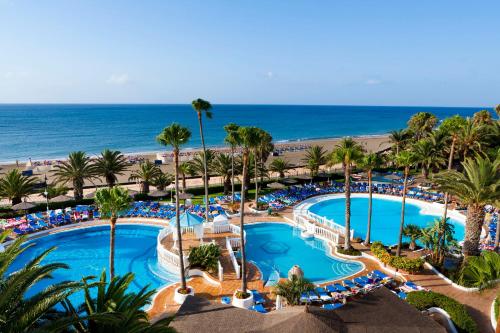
[(225, 300), (323, 295), (259, 308), (332, 306), (257, 298)]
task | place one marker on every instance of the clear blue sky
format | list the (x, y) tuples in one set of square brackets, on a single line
[(281, 52)]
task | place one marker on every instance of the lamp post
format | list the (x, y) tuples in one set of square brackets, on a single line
[(46, 193)]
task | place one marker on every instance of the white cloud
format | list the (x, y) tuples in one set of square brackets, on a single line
[(119, 79), (373, 82)]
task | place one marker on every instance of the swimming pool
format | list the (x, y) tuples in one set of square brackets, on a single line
[(386, 217), (276, 247), (86, 251)]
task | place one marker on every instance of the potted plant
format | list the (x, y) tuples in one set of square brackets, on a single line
[(242, 299), (180, 294)]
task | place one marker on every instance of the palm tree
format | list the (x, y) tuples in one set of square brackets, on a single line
[(110, 164), (291, 290), (233, 140), (162, 180), (176, 135), (197, 164), (185, 168), (202, 106), (406, 160), (471, 138), (477, 186), (14, 186), (398, 138), (146, 174), (315, 157), (22, 310), (427, 156), (368, 163), (54, 190), (497, 110), (347, 152), (421, 124), (452, 126), (261, 151), (111, 201), (113, 309), (413, 232), (223, 165), (75, 170), (249, 138), (482, 117), (280, 166)]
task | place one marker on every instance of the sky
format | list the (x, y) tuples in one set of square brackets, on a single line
[(418, 53)]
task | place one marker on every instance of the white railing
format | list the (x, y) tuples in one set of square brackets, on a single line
[(337, 228), (167, 259), (235, 229), (233, 258), (219, 229), (327, 234), (220, 271)]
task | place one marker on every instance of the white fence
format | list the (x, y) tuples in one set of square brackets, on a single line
[(231, 255), (335, 227), (220, 271), (166, 258)]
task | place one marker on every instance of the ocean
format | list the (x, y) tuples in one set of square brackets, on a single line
[(51, 131)]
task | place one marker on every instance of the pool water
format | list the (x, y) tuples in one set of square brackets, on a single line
[(275, 248), (86, 251), (386, 217)]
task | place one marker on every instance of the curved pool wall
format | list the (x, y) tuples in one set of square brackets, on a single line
[(386, 214), (276, 247), (86, 251)]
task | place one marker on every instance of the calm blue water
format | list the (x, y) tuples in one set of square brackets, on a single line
[(86, 251), (52, 131), (386, 217), (274, 246)]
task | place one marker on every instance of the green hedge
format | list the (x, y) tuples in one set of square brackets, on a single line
[(404, 263), (423, 300)]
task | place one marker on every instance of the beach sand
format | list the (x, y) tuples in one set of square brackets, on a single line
[(370, 144)]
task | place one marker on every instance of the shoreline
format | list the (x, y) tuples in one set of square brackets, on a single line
[(278, 143)]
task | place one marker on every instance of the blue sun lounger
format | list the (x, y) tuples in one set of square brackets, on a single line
[(349, 284), (258, 299), (381, 274), (340, 288), (331, 288), (323, 295), (332, 306), (304, 298), (361, 282), (259, 308)]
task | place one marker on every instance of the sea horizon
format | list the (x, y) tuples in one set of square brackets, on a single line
[(48, 131)]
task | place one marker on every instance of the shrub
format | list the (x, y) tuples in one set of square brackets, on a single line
[(423, 300), (205, 257), (292, 289), (481, 271), (404, 263), (351, 252)]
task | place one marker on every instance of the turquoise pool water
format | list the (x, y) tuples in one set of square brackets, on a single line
[(86, 251), (386, 217), (275, 248)]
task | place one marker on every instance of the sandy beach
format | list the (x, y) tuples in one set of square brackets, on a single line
[(370, 144)]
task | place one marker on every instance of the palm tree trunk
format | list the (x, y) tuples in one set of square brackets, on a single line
[(227, 185), (369, 226), (177, 220), (112, 226), (78, 189), (473, 228), (401, 226), (497, 235), (347, 235), (256, 180), (242, 224), (232, 175), (450, 162), (205, 171), (183, 182)]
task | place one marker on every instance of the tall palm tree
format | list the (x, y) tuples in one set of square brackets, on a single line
[(413, 232), (280, 166), (176, 135), (14, 186), (398, 139), (75, 170), (427, 156), (497, 110), (162, 180), (111, 201), (197, 164), (482, 117), (452, 126), (146, 174), (347, 152), (113, 309), (477, 186), (421, 124), (202, 106), (315, 157), (368, 163), (471, 138), (22, 310), (262, 149), (405, 159), (110, 164), (223, 166), (249, 138), (233, 141)]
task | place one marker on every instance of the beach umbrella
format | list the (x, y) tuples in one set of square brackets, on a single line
[(221, 219), (185, 196), (90, 195), (303, 177), (289, 181), (276, 186), (61, 198), (158, 194), (187, 220), (23, 206)]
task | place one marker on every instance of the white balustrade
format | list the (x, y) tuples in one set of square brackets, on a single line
[(168, 259), (229, 248), (220, 271)]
